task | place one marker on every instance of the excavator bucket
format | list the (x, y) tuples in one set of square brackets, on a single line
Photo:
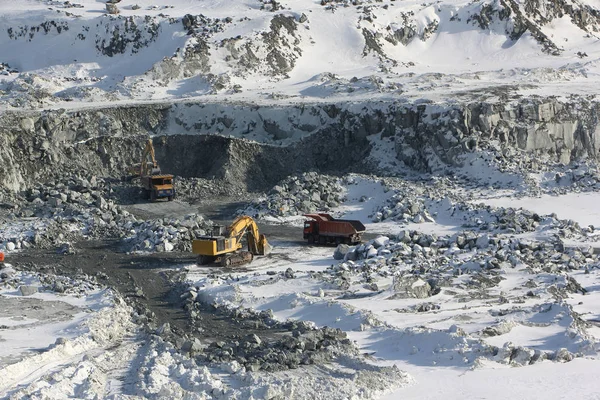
[(264, 247), (259, 247)]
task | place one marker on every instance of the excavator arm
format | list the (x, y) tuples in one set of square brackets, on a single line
[(149, 151), (257, 242)]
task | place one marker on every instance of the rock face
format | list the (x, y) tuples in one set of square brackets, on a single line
[(429, 136), (327, 138)]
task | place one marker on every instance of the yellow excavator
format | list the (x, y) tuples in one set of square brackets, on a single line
[(224, 248), (155, 184)]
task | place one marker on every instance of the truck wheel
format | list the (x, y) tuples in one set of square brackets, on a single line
[(170, 198), (152, 195), (311, 239), (203, 260)]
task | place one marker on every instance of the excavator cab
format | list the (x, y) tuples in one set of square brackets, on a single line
[(218, 230)]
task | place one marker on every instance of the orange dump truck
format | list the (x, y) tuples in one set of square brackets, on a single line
[(323, 229)]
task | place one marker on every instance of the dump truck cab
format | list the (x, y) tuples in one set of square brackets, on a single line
[(310, 228)]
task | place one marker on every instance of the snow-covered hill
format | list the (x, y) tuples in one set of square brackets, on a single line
[(54, 51)]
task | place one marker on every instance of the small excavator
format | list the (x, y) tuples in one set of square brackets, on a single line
[(224, 248), (155, 184)]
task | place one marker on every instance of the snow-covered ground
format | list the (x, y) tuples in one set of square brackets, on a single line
[(443, 349), (522, 335), (384, 50)]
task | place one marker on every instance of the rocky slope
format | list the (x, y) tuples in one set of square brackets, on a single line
[(268, 47), (210, 141)]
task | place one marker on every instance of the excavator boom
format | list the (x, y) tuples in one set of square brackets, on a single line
[(144, 167), (257, 243)]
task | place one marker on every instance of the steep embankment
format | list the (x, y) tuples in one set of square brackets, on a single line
[(209, 140)]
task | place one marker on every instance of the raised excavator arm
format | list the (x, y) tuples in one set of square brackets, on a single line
[(225, 250), (144, 168)]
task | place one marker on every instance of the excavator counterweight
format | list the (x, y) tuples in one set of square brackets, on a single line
[(226, 250)]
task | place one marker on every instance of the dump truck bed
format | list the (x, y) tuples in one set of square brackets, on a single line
[(331, 226), (340, 227)]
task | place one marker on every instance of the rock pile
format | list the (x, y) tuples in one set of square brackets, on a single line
[(306, 344), (32, 281), (412, 203), (296, 195), (303, 345), (168, 234), (427, 252), (55, 216), (288, 352), (471, 266), (195, 190), (582, 176), (483, 217), (403, 207)]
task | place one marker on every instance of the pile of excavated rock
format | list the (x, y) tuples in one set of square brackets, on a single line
[(287, 352), (488, 218), (425, 252), (579, 177), (305, 345), (412, 203), (403, 207), (168, 234), (297, 195), (194, 190), (542, 174), (34, 281), (56, 216), (470, 267)]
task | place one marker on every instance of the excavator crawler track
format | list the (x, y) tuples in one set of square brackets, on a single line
[(235, 259)]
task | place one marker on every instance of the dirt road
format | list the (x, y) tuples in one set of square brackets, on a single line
[(151, 282)]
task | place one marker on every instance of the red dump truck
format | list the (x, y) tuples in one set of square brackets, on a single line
[(323, 229)]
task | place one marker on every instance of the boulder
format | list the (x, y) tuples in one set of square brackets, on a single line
[(380, 241), (27, 290), (410, 286), (341, 251)]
